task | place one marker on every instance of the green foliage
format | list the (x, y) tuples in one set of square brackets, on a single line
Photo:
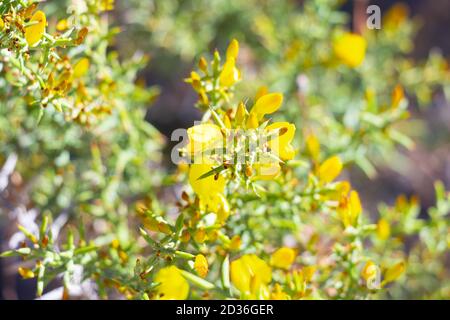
[(113, 220)]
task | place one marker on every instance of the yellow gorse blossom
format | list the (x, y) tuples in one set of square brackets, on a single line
[(233, 49), (396, 15), (278, 293), (283, 258), (281, 144), (393, 273), (204, 137), (350, 209), (350, 49), (383, 229), (299, 280), (369, 270), (34, 32), (330, 169), (201, 265), (172, 284), (81, 68), (26, 273), (398, 95), (267, 104), (230, 74), (251, 275), (106, 5), (209, 190), (313, 146)]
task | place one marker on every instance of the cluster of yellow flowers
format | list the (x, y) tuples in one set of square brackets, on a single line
[(46, 62), (225, 154)]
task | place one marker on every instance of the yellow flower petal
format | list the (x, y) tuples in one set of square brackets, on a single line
[(397, 96), (313, 146), (262, 91), (278, 293), (235, 243), (233, 49), (172, 284), (350, 49), (369, 271), (281, 144), (383, 229), (250, 273), (26, 273), (252, 121), (62, 25), (201, 265), (396, 15), (283, 258), (355, 206), (330, 169), (394, 272), (204, 137), (241, 113), (230, 74), (106, 5), (267, 104), (81, 68), (200, 235), (34, 32), (207, 187)]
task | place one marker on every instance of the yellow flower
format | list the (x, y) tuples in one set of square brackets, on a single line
[(267, 104), (204, 137), (250, 275), (203, 64), (235, 243), (393, 273), (34, 32), (81, 68), (172, 284), (396, 15), (209, 190), (106, 5), (26, 273), (278, 293), (252, 121), (230, 74), (283, 258), (208, 186), (233, 49), (241, 113), (62, 25), (262, 91), (369, 271), (313, 146), (349, 209), (201, 265), (350, 49), (281, 144), (330, 169), (383, 229), (397, 96), (2, 24)]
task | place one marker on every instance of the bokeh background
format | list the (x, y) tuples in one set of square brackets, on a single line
[(174, 33)]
